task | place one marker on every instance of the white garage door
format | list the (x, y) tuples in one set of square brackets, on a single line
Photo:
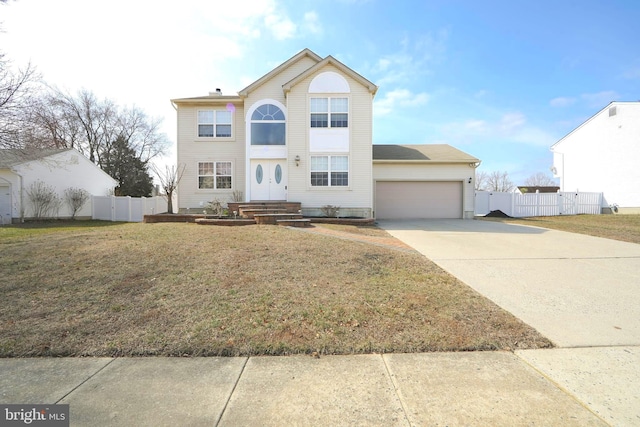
[(426, 199), (5, 205)]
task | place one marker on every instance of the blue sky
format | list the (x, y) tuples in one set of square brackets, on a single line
[(501, 80)]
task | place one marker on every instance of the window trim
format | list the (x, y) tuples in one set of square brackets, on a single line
[(329, 112), (215, 124), (329, 171), (214, 175), (253, 121)]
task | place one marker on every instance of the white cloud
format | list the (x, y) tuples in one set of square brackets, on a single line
[(399, 98), (414, 58), (312, 23), (475, 126), (280, 26), (383, 64), (632, 73), (600, 99), (511, 122), (562, 101), (510, 127)]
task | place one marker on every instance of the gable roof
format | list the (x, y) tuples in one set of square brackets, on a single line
[(13, 156), (606, 108), (339, 65), (207, 99), (303, 54), (429, 153)]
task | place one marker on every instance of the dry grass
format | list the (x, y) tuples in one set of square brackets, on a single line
[(618, 227), (104, 289)]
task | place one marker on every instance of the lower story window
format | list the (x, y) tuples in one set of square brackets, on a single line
[(214, 175), (329, 171)]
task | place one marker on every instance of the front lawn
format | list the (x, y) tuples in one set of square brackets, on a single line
[(174, 289)]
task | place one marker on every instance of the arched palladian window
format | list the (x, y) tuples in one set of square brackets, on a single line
[(268, 126)]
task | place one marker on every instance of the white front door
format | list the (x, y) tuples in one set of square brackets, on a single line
[(268, 179)]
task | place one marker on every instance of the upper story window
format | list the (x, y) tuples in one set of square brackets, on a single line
[(214, 123), (268, 126), (329, 112)]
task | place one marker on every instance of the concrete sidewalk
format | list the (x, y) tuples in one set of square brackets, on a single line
[(482, 388)]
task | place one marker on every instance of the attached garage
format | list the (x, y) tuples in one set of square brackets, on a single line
[(418, 199), (423, 181)]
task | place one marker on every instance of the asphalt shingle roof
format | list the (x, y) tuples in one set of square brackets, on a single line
[(430, 152), (12, 157)]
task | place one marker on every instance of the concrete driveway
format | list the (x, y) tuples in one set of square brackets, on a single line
[(581, 292), (578, 291)]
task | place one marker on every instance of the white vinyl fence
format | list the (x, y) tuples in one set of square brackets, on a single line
[(538, 204), (126, 208)]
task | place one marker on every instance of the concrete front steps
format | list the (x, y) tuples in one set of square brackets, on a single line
[(245, 209), (274, 213)]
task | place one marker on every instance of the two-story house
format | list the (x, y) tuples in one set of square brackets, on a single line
[(303, 133)]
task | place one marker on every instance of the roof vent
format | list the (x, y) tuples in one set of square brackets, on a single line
[(218, 92), (613, 111)]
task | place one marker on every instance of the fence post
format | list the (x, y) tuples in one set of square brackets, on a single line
[(560, 203), (113, 208)]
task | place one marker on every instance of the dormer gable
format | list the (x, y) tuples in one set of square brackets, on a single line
[(330, 60), (306, 53)]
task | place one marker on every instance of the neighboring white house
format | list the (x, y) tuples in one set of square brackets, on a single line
[(601, 155), (303, 133), (59, 169)]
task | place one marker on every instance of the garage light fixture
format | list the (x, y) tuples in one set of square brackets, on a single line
[(470, 179), (297, 159)]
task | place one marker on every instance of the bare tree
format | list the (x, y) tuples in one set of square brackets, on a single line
[(169, 180), (540, 179), (499, 181), (142, 133), (481, 181), (95, 127), (16, 89), (44, 200), (76, 199)]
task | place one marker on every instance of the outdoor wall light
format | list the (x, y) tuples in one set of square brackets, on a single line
[(470, 179), (297, 159)]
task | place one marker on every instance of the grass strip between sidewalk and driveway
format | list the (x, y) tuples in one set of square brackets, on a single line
[(174, 289), (625, 228)]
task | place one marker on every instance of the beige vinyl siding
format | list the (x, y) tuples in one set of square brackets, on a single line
[(192, 150), (431, 172), (359, 193)]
